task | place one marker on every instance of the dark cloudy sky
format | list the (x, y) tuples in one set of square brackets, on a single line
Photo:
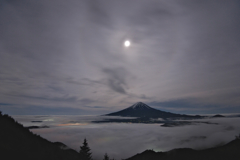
[(67, 56)]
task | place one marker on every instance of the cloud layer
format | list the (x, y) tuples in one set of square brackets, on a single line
[(121, 140)]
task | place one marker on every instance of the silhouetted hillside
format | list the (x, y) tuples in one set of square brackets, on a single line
[(230, 151), (17, 142)]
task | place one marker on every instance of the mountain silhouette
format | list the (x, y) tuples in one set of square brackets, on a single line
[(230, 151), (142, 110), (17, 142), (218, 116)]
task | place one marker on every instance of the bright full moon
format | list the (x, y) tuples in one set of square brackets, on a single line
[(127, 43)]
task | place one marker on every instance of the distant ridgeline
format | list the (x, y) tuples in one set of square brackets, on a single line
[(18, 143)]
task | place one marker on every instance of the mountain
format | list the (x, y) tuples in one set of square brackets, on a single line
[(225, 152), (17, 142), (142, 110), (218, 116)]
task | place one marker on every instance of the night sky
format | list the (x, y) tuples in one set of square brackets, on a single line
[(68, 56)]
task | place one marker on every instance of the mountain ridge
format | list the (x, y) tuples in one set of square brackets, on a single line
[(18, 142), (225, 152)]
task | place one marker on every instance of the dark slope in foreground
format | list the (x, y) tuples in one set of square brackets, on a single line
[(230, 151), (17, 142), (144, 111)]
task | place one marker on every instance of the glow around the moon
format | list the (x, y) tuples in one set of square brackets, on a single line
[(127, 43)]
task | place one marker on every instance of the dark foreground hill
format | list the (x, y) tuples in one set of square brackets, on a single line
[(17, 142), (230, 151), (142, 110)]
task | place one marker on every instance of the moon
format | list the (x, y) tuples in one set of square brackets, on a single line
[(127, 43)]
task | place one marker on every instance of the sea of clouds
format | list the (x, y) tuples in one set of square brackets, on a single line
[(123, 140)]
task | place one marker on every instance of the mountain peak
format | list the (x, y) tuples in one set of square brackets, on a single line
[(139, 105)]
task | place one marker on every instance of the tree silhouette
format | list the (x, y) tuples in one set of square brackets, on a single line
[(106, 157), (84, 152)]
